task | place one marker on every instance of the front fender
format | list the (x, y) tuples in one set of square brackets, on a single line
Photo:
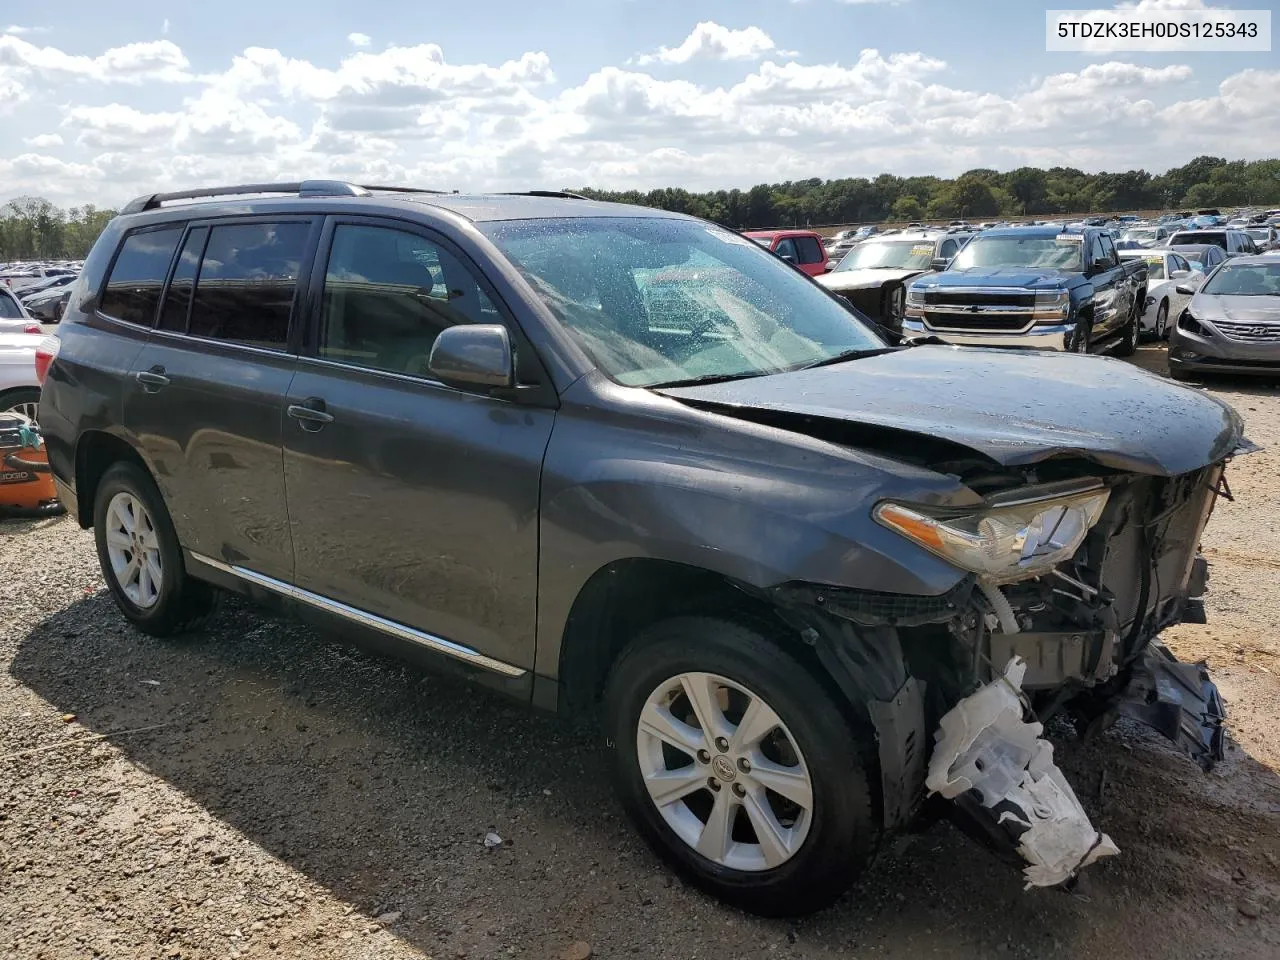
[(756, 504)]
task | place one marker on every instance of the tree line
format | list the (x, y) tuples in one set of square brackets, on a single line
[(1204, 182), (33, 228)]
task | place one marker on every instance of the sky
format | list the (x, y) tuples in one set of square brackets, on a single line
[(102, 102)]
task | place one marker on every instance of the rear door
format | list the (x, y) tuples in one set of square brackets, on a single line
[(207, 394), (409, 499)]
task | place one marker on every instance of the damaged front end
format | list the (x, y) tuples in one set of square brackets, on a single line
[(1072, 579)]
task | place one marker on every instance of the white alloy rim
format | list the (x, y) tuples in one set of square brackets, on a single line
[(134, 550), (724, 772)]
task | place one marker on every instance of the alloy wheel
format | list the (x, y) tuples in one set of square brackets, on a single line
[(724, 772), (134, 550), (28, 409)]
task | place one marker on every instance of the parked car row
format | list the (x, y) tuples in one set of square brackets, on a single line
[(34, 296)]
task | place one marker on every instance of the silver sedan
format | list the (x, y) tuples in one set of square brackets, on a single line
[(1232, 323)]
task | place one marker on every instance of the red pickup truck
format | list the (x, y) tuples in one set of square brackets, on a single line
[(800, 247)]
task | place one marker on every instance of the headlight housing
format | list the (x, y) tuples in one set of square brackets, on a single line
[(1052, 305), (1190, 324), (1004, 542)]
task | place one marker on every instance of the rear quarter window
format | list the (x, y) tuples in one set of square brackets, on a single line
[(9, 309), (133, 288)]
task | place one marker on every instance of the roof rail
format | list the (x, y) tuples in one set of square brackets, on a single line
[(545, 193), (302, 188)]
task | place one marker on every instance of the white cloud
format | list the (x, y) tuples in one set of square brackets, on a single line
[(155, 60), (711, 41), (359, 39), (18, 31), (407, 114)]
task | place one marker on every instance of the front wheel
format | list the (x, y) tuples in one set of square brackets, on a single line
[(1078, 342), (738, 767), (893, 306)]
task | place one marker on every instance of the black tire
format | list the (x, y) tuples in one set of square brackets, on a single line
[(893, 304), (843, 831), (1128, 344), (16, 400), (1080, 339), (1162, 321), (1182, 374), (183, 603)]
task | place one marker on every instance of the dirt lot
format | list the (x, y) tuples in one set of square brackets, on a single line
[(286, 796)]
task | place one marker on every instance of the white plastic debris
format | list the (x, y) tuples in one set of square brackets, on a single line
[(984, 745), (492, 840)]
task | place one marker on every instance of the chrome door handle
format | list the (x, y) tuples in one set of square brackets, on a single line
[(310, 415), (151, 380)]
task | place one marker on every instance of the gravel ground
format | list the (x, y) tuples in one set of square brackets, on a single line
[(261, 791)]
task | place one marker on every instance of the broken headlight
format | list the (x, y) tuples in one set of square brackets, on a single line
[(1006, 541)]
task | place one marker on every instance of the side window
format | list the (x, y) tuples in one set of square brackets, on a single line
[(1109, 249), (1176, 263), (177, 299), (948, 249), (810, 250), (787, 248), (388, 294), (137, 277), (244, 292), (1095, 250)]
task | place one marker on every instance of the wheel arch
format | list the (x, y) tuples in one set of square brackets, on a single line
[(96, 451)]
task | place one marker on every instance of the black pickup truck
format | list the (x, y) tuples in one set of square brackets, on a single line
[(1040, 287)]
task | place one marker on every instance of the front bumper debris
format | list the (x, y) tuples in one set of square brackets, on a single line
[(1177, 699), (1000, 772)]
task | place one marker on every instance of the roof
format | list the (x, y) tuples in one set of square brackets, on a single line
[(1036, 231), (778, 233), (277, 197), (1259, 259)]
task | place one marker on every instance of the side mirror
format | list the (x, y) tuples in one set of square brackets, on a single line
[(1179, 274), (1099, 265), (939, 264), (473, 355), (1186, 289)]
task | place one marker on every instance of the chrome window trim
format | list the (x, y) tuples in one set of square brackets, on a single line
[(364, 618)]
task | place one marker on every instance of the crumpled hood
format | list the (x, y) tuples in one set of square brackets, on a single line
[(998, 277), (863, 279), (1016, 407), (1238, 309)]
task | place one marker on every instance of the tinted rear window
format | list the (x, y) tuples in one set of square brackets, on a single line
[(244, 293), (1216, 237), (9, 307), (137, 276)]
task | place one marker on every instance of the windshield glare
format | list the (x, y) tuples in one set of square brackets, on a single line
[(1140, 234), (1049, 253), (657, 301), (889, 255), (1245, 280)]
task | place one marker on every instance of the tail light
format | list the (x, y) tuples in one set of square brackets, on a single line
[(32, 328), (46, 350)]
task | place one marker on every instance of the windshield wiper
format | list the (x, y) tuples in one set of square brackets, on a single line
[(847, 355), (712, 378)]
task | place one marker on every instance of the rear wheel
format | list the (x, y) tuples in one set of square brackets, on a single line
[(1128, 344), (1162, 321), (25, 401), (738, 767), (140, 557)]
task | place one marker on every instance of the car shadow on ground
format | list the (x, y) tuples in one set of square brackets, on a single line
[(379, 783)]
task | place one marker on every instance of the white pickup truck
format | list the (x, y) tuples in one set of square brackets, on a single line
[(19, 388)]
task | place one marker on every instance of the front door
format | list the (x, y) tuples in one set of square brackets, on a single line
[(206, 398), (409, 499)]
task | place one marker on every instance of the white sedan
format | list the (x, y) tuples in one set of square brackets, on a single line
[(1165, 270), (13, 315), (19, 387)]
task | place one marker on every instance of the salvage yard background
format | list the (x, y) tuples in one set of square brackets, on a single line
[(296, 798)]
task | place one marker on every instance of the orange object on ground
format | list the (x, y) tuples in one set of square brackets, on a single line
[(26, 485)]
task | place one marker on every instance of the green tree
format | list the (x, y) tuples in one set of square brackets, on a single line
[(906, 208)]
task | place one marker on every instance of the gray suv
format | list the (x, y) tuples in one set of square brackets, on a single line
[(605, 458)]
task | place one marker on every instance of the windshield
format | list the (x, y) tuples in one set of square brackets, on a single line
[(1055, 253), (1245, 280), (1259, 233), (889, 255), (1215, 237), (1140, 234), (657, 301)]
